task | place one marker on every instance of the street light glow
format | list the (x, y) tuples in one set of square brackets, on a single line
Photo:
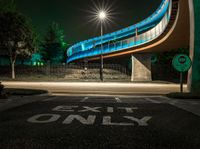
[(102, 15)]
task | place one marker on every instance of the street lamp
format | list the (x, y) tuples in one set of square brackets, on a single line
[(102, 16)]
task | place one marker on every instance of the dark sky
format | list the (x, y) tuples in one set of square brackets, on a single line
[(73, 15)]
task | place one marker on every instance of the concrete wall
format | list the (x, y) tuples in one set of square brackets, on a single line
[(141, 67)]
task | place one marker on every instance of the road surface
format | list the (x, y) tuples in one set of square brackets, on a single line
[(96, 122)]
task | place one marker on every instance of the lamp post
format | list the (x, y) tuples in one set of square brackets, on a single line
[(102, 17)]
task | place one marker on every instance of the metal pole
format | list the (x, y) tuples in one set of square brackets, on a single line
[(181, 82), (101, 57)]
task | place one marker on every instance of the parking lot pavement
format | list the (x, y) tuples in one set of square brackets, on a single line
[(96, 122), (15, 101)]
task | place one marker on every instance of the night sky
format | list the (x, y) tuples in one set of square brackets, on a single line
[(73, 15)]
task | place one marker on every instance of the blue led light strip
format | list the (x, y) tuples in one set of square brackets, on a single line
[(91, 48)]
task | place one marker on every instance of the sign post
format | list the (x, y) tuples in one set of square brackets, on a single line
[(181, 81), (181, 63)]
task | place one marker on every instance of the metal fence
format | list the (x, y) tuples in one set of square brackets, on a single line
[(160, 71), (60, 70)]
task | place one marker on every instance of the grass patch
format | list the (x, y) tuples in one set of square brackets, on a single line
[(184, 95), (24, 92)]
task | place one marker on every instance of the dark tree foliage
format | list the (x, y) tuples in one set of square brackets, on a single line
[(167, 57), (53, 47), (7, 5), (16, 37), (163, 66)]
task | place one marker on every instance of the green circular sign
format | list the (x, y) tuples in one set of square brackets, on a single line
[(182, 62)]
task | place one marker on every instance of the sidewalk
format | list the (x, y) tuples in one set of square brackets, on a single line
[(99, 88)]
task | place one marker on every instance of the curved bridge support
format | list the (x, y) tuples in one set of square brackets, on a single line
[(194, 74), (141, 67)]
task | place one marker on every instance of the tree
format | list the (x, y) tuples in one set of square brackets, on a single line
[(7, 5), (53, 47), (16, 37)]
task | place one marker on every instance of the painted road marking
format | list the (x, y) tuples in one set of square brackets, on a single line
[(5, 100), (128, 109), (50, 99), (110, 109), (84, 99), (174, 102), (81, 109), (90, 120), (141, 122), (152, 100), (86, 121), (48, 118), (90, 109), (106, 119), (118, 100), (180, 104), (64, 108), (195, 103)]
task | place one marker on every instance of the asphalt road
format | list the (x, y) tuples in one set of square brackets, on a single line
[(99, 122)]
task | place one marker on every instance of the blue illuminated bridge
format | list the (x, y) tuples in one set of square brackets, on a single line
[(167, 28)]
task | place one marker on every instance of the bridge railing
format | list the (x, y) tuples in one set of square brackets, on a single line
[(131, 30), (127, 43)]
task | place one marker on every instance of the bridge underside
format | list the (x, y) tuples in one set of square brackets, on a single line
[(176, 37), (181, 33)]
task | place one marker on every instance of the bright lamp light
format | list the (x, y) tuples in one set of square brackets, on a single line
[(102, 15)]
